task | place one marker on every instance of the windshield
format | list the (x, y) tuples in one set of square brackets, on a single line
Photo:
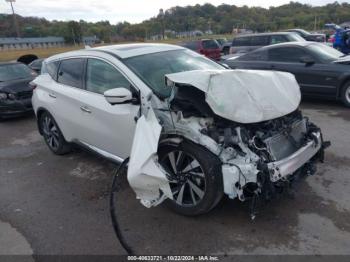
[(295, 37), (324, 52), (152, 68), (14, 71)]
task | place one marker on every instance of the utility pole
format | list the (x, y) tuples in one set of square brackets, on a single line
[(14, 17), (162, 15), (315, 23)]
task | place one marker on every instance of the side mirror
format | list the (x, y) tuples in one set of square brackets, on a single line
[(118, 95), (307, 60)]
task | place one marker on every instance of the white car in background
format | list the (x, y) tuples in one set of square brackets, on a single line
[(193, 130)]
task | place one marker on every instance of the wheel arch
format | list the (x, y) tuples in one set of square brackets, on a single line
[(344, 79), (39, 112)]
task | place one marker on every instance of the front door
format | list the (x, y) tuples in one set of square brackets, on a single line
[(107, 127)]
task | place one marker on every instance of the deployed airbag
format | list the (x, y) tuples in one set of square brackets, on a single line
[(145, 176), (244, 96)]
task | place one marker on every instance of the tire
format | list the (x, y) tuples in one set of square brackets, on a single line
[(197, 185), (226, 50), (345, 94), (52, 135)]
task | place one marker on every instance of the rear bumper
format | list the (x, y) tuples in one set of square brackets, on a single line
[(12, 108), (287, 166)]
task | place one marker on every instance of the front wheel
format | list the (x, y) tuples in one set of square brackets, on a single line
[(195, 177), (345, 94)]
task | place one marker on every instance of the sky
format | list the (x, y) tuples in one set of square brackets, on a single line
[(133, 11)]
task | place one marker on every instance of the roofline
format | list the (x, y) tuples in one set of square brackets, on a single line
[(262, 34)]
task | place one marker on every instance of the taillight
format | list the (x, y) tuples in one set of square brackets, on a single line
[(32, 85), (232, 50)]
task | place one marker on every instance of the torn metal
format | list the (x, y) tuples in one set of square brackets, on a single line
[(248, 119)]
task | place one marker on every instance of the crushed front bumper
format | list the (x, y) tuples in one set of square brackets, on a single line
[(287, 166)]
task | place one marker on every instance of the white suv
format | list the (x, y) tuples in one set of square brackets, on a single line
[(193, 130)]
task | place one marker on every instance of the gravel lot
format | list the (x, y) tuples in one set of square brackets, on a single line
[(59, 204)]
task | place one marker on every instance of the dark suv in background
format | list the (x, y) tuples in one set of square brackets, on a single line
[(309, 36), (250, 42), (208, 47)]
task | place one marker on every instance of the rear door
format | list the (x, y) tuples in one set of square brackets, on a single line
[(64, 95)]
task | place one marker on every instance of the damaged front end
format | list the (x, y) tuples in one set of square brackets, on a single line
[(248, 120)]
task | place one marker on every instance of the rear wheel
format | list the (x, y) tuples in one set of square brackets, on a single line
[(195, 177), (345, 94), (52, 135)]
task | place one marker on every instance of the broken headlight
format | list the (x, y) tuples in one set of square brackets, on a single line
[(3, 96)]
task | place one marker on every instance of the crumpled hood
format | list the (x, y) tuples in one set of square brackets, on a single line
[(244, 96)]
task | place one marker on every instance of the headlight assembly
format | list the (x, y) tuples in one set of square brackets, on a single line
[(3, 96)]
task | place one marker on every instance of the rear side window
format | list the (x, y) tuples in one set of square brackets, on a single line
[(241, 41), (52, 69), (260, 40), (101, 76), (260, 55), (210, 44), (276, 39), (71, 72), (286, 54)]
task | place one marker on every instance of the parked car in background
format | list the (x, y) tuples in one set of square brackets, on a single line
[(188, 150), (224, 45), (36, 65), (15, 91), (342, 41), (248, 43), (320, 70), (208, 47), (309, 36)]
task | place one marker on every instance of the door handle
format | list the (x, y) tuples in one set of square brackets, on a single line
[(52, 95), (85, 109)]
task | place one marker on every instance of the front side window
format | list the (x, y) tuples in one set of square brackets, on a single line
[(101, 76), (71, 72), (324, 53), (286, 54), (152, 68)]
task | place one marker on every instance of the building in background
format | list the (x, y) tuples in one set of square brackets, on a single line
[(90, 40), (12, 43)]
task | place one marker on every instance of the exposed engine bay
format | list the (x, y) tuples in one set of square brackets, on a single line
[(259, 154)]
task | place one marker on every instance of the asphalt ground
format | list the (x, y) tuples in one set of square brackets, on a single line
[(58, 205)]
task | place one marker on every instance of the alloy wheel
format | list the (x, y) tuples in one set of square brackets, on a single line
[(50, 131), (347, 94), (186, 178)]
